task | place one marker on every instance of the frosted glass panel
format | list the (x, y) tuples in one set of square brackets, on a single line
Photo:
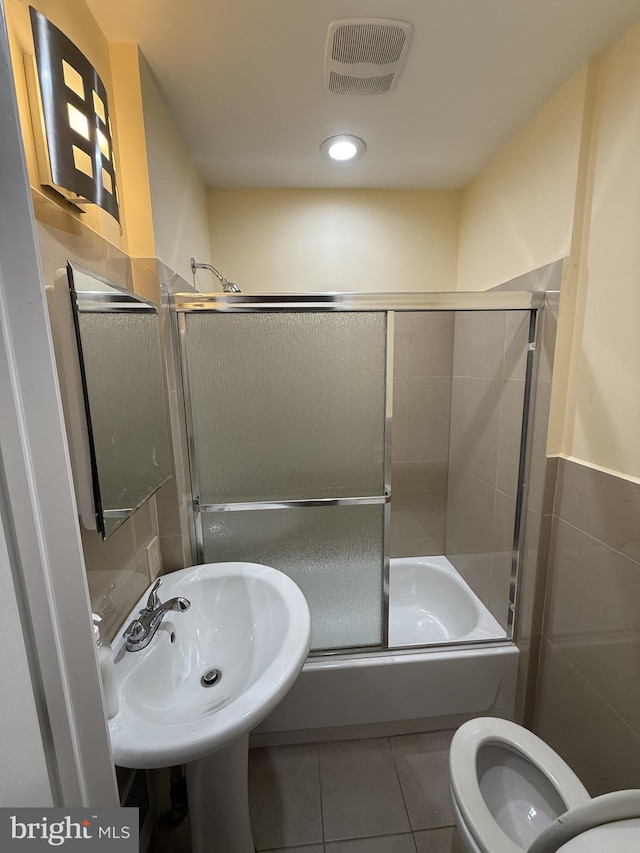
[(288, 405), (334, 554)]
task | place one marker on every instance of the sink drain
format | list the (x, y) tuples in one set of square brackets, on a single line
[(211, 677)]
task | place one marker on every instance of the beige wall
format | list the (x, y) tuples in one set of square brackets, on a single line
[(306, 240), (566, 186), (517, 214), (178, 196), (603, 406), (133, 166)]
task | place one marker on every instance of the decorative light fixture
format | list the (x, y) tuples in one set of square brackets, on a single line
[(342, 148), (71, 120)]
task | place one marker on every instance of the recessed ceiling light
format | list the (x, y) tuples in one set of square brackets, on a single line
[(343, 147)]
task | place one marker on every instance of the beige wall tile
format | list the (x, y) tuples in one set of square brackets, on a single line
[(577, 722), (593, 591), (516, 340), (171, 548), (588, 704), (421, 415), (167, 502), (475, 426), (593, 616), (470, 507), (479, 344), (510, 434), (420, 434), (418, 508), (423, 343), (610, 664), (606, 506), (145, 524), (533, 573)]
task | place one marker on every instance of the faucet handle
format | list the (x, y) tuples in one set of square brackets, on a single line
[(134, 630), (153, 601)]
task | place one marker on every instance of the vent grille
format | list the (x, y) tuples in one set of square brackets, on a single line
[(364, 56), (372, 43), (344, 84)]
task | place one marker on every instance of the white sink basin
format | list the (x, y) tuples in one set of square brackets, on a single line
[(249, 621)]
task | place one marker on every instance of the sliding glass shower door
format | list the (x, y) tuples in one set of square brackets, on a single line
[(287, 429)]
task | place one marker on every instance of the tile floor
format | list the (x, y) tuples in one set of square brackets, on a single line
[(381, 795)]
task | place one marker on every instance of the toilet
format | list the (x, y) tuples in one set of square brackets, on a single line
[(507, 786), (509, 790)]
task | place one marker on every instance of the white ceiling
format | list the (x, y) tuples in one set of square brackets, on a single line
[(244, 81)]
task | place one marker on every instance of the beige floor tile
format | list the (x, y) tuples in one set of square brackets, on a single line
[(444, 840), (423, 767), (361, 795), (284, 796), (382, 844)]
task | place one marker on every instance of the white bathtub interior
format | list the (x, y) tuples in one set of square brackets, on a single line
[(429, 602)]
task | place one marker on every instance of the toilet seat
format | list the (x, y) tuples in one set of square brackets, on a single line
[(619, 837), (465, 784), (610, 820)]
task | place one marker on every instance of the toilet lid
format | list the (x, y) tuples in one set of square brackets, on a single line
[(622, 836)]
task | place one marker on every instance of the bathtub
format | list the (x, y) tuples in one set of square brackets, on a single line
[(410, 690), (429, 602)]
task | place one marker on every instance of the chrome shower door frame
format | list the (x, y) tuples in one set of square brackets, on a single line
[(389, 303)]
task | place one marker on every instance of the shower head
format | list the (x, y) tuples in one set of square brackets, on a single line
[(227, 286)]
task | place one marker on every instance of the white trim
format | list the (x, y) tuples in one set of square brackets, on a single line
[(44, 540)]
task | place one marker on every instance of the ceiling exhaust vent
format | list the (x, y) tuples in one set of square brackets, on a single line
[(364, 56)]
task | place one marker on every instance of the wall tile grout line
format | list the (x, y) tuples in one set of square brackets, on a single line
[(591, 687), (595, 539)]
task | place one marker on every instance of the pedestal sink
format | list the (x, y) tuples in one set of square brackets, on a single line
[(208, 676)]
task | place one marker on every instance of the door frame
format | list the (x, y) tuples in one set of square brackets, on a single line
[(38, 503)]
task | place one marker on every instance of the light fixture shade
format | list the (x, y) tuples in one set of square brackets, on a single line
[(343, 148), (76, 120)]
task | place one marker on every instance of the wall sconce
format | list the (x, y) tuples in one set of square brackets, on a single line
[(71, 120)]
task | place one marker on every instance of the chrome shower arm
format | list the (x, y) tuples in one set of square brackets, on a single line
[(227, 286)]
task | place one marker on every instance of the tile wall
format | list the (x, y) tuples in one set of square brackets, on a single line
[(588, 691), (423, 350), (116, 568)]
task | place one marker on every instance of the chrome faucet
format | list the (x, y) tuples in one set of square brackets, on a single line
[(141, 631)]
